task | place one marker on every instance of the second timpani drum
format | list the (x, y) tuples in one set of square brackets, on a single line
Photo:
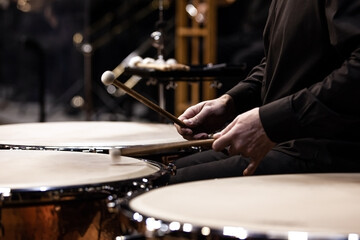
[(68, 195), (303, 206), (85, 136)]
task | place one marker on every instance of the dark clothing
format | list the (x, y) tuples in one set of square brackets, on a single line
[(307, 85), (310, 72), (211, 164)]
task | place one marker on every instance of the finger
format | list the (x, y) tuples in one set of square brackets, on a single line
[(182, 130), (222, 142), (216, 135), (184, 120), (195, 121), (197, 115), (186, 132), (250, 168), (190, 112), (201, 136)]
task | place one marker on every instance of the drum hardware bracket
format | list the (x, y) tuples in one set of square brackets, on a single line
[(216, 85), (171, 85), (151, 82), (145, 185), (172, 168), (198, 148), (92, 150), (112, 203)]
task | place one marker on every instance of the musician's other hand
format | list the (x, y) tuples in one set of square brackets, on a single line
[(245, 136)]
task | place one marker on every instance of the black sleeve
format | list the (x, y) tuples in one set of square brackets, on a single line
[(331, 107), (247, 93)]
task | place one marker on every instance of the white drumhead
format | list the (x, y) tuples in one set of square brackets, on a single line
[(22, 169), (87, 134), (314, 203)]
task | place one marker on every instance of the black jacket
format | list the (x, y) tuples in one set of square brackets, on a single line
[(308, 84)]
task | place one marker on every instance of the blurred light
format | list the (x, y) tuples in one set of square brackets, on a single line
[(156, 35), (235, 232), (205, 231), (5, 192), (152, 224), (200, 18), (77, 102), (187, 227), (111, 205), (87, 48), (164, 228), (353, 236), (195, 13), (174, 226), (78, 38), (111, 89), (191, 10), (138, 217), (24, 5), (297, 235), (43, 189)]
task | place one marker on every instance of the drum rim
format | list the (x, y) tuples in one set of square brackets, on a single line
[(85, 148), (31, 195), (140, 219), (197, 230)]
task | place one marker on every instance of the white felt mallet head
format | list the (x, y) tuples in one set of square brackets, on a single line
[(148, 60), (160, 61), (135, 60), (108, 78), (171, 61), (115, 154)]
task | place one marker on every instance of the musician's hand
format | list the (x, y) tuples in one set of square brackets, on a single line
[(245, 136), (206, 117)]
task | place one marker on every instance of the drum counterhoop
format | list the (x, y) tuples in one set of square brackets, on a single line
[(97, 136), (302, 206), (94, 137)]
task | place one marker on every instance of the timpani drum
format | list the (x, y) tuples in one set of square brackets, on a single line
[(97, 136), (68, 195), (303, 206)]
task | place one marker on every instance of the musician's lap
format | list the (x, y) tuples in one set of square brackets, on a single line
[(211, 164)]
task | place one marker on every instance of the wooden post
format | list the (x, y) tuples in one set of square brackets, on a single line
[(195, 44)]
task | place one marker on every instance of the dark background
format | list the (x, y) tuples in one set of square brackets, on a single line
[(42, 67)]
